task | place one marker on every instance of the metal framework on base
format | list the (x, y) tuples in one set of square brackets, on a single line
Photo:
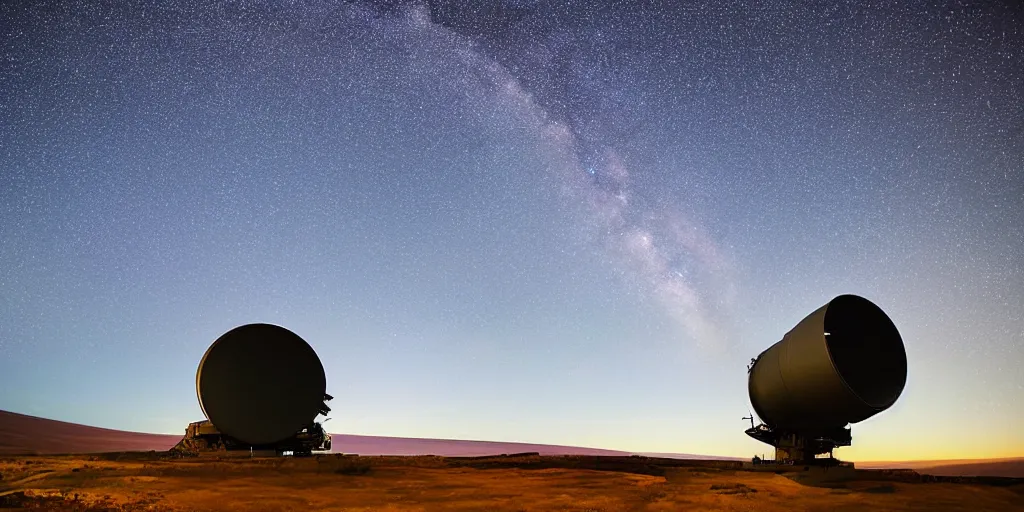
[(802, 447), (204, 437)]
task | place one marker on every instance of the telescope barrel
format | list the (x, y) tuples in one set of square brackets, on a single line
[(261, 383), (843, 363)]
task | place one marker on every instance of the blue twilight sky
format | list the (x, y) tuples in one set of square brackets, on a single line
[(569, 223)]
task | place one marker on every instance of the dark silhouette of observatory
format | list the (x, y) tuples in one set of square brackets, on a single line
[(842, 364), (260, 387)]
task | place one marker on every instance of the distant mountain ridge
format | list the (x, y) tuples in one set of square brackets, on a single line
[(378, 445), (21, 434), (1009, 466), (30, 435)]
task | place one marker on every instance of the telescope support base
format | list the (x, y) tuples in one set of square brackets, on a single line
[(802, 446)]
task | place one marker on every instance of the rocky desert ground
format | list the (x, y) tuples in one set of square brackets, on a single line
[(159, 481), (125, 471)]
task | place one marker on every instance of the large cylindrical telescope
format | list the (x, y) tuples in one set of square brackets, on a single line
[(843, 363), (260, 384)]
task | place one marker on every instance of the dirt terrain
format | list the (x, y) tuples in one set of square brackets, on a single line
[(158, 481)]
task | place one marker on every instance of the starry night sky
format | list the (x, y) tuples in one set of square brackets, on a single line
[(512, 220)]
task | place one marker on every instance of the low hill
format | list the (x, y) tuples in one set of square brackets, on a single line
[(30, 435), (1012, 467), (1006, 467), (21, 434), (378, 445)]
